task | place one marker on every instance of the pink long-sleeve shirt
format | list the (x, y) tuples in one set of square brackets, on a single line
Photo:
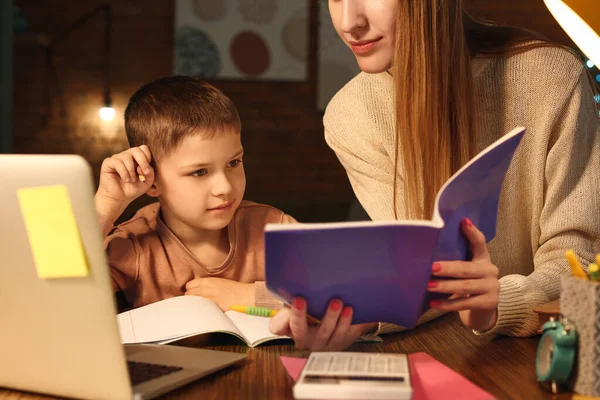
[(149, 263)]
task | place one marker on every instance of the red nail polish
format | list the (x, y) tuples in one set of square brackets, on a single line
[(434, 303), (432, 284), (335, 305), (347, 311), (436, 267), (298, 303), (467, 222)]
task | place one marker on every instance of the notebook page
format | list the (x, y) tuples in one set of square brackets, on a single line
[(172, 318), (254, 329)]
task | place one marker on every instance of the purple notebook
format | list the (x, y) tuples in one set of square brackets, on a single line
[(382, 268)]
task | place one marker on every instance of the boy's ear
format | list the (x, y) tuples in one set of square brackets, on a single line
[(154, 191)]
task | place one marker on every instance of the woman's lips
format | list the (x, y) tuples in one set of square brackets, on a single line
[(364, 46)]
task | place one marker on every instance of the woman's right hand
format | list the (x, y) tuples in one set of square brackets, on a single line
[(120, 181), (335, 332)]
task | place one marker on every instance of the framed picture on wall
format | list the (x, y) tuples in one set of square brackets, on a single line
[(242, 39)]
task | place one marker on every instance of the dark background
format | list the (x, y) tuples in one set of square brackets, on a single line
[(287, 161)]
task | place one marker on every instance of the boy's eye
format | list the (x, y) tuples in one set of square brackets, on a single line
[(234, 163), (200, 172)]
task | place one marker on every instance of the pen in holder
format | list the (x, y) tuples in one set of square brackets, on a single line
[(580, 304)]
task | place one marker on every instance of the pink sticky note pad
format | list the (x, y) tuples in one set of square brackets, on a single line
[(293, 366), (431, 380)]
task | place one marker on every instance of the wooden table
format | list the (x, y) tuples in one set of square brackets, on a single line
[(505, 367)]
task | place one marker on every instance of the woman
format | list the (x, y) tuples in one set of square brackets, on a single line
[(439, 86)]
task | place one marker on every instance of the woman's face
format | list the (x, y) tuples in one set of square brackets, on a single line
[(368, 29)]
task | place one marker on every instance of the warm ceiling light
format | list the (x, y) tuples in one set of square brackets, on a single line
[(107, 113)]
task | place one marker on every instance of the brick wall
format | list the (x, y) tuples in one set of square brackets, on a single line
[(288, 162)]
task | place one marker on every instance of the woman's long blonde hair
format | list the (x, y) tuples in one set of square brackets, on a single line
[(435, 109)]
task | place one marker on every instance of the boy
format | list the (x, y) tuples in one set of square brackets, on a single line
[(200, 238)]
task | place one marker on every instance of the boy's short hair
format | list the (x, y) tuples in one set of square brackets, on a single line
[(163, 112)]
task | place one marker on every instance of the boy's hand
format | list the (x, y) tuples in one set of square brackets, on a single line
[(120, 182), (224, 292)]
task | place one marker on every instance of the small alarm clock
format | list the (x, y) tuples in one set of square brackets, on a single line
[(556, 352)]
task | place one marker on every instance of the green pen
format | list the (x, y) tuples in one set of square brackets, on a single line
[(258, 311)]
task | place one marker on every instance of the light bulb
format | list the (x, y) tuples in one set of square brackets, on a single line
[(590, 64), (584, 36), (107, 113)]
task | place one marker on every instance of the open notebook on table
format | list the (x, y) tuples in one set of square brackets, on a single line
[(177, 318)]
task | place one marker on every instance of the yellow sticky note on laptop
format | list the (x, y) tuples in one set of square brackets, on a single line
[(53, 233)]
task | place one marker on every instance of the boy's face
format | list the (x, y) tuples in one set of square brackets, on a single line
[(202, 182)]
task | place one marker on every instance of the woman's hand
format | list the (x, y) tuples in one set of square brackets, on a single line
[(475, 290), (335, 331)]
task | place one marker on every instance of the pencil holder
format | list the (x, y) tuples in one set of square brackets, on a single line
[(580, 304)]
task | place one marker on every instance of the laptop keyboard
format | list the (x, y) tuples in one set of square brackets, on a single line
[(140, 372)]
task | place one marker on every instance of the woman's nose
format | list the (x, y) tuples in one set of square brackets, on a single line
[(352, 16)]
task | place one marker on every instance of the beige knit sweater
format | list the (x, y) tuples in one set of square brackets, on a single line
[(550, 200)]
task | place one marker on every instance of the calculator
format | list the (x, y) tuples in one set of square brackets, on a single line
[(347, 375)]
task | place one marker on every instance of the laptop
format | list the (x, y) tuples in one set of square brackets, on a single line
[(59, 336)]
